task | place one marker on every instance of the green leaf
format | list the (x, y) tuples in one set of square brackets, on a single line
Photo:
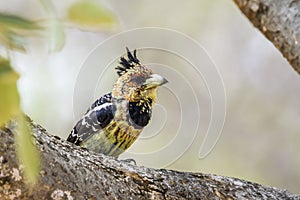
[(14, 29), (10, 103), (91, 15), (12, 40), (16, 22), (54, 26), (57, 36), (27, 152)]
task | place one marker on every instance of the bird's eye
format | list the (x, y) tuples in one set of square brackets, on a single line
[(140, 89), (143, 87)]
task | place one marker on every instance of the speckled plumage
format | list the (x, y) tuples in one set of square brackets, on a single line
[(115, 120)]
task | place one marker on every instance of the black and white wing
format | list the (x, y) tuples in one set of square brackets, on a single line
[(97, 117), (100, 101)]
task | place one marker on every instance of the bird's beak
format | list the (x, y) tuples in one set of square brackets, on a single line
[(155, 80)]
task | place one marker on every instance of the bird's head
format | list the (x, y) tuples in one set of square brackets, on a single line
[(136, 81)]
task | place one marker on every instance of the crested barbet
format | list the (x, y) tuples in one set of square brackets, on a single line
[(115, 120)]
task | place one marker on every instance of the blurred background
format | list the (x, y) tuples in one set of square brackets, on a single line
[(260, 140)]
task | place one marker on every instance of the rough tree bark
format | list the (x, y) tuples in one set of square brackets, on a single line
[(279, 21), (70, 172)]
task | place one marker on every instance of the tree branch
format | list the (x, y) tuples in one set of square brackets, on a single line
[(71, 172), (279, 21)]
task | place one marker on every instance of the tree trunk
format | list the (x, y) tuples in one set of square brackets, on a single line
[(279, 21), (70, 172)]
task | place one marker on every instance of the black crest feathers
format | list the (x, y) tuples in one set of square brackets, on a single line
[(126, 64)]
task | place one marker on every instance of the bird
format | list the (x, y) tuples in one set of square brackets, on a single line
[(115, 120)]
